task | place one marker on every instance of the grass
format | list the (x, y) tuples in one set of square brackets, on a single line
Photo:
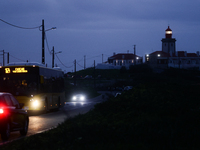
[(162, 113)]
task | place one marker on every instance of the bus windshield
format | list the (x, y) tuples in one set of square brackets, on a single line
[(23, 84)]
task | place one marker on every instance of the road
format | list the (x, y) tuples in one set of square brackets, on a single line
[(43, 122)]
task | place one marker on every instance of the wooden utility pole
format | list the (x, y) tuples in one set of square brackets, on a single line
[(134, 55), (53, 57), (43, 36), (3, 58), (84, 62), (8, 58), (94, 76), (75, 72)]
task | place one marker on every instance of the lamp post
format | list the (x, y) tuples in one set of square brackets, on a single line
[(53, 53), (43, 37)]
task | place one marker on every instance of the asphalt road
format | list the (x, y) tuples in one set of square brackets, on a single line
[(43, 122)]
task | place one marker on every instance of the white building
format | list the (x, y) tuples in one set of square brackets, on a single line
[(169, 57), (122, 59)]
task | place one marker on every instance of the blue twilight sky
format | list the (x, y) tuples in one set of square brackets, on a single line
[(93, 28)]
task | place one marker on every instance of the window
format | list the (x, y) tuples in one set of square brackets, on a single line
[(8, 100), (14, 101)]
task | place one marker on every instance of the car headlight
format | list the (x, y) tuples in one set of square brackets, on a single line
[(74, 97), (82, 98)]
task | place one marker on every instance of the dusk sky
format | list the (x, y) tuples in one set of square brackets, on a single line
[(93, 28)]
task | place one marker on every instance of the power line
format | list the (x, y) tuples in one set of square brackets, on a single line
[(17, 58), (19, 26), (79, 65), (62, 63), (47, 44), (94, 57)]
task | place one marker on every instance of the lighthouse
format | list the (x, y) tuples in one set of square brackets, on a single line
[(168, 43)]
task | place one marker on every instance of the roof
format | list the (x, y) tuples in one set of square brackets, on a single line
[(25, 64), (168, 29), (2, 93), (125, 56), (162, 54), (178, 54)]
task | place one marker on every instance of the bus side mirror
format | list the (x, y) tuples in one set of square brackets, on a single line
[(41, 79)]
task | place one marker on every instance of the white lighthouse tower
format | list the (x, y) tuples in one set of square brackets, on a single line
[(168, 43)]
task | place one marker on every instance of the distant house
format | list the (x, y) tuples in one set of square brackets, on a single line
[(121, 59), (169, 57)]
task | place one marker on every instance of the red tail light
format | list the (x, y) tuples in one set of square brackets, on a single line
[(1, 111)]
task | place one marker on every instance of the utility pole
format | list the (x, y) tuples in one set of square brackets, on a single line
[(102, 58), (53, 57), (75, 72), (134, 55), (94, 76), (43, 37), (3, 58), (8, 58), (84, 62), (3, 64)]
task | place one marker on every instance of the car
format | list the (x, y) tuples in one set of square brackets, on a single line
[(117, 94), (128, 88), (88, 77), (12, 116), (78, 97)]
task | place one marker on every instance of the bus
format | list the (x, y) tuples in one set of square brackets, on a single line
[(38, 87)]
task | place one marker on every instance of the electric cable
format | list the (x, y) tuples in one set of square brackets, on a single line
[(62, 62), (79, 64), (17, 58), (47, 44), (94, 57), (19, 26)]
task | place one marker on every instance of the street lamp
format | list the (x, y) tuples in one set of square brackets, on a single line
[(53, 53), (43, 37)]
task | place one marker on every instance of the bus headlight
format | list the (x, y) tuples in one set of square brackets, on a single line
[(35, 103)]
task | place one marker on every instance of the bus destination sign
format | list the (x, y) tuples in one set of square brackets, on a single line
[(16, 70)]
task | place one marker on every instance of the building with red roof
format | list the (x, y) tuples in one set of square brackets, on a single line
[(121, 59), (169, 57)]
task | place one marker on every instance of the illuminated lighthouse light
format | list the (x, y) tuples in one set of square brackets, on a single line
[(168, 32)]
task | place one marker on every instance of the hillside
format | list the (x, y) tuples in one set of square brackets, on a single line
[(160, 112)]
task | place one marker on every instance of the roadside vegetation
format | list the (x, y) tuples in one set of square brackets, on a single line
[(161, 112)]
